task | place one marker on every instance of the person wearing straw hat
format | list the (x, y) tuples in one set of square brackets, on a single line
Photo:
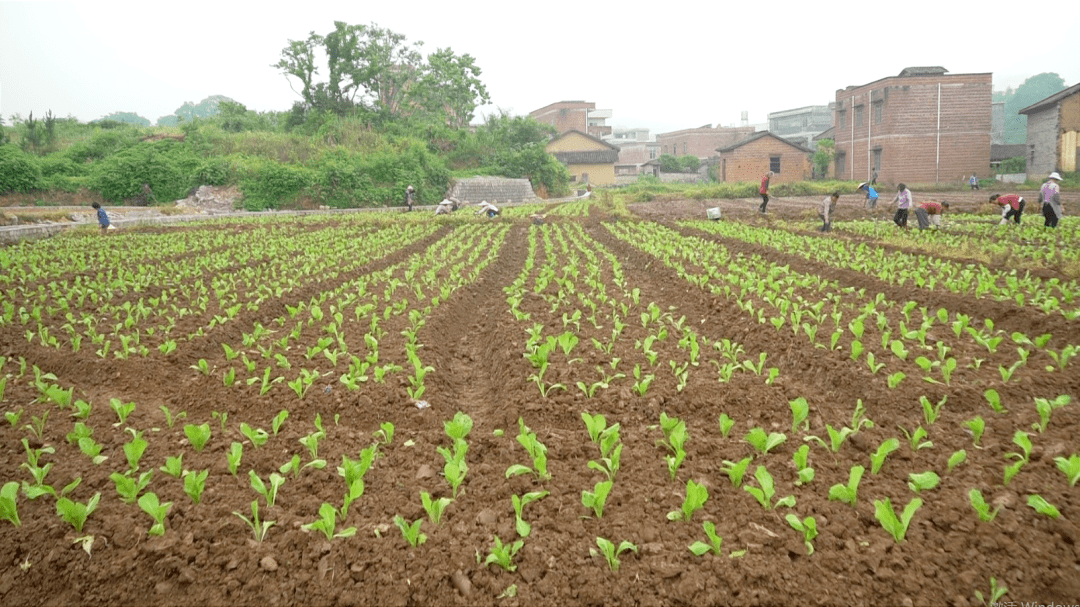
[(871, 194), (1050, 197), (410, 197)]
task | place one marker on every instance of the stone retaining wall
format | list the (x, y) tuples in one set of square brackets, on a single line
[(493, 189)]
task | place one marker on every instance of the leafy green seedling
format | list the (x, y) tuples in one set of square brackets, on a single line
[(877, 458), (411, 531), (135, 448), (174, 466), (171, 419), (82, 409), (459, 427), (221, 416), (327, 523), (836, 437), (715, 541), (122, 409), (596, 498), (894, 379), (897, 527), (610, 552), (37, 424), (278, 420), (696, 496), (12, 417), (736, 470), (799, 410), (994, 399), (931, 412), (850, 492), (726, 423), (9, 510), (802, 465), (157, 511), (522, 527), (385, 433), (1042, 506), (527, 439), (977, 426), (75, 513), (257, 436), (129, 488), (1070, 467), (915, 439), (996, 592), (194, 484), (268, 493), (236, 452), (258, 527), (595, 424), (675, 437), (956, 459), (1023, 440), (807, 526), (197, 435), (434, 508), (923, 481), (981, 507), (1045, 407), (765, 493), (503, 554), (762, 442)]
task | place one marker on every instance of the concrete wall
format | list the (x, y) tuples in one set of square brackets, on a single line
[(1042, 141), (751, 161), (900, 118), (501, 189), (1069, 147)]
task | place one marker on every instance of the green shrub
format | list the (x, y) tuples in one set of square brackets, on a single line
[(103, 143), (219, 170), (167, 166), (272, 185), (1016, 164), (19, 172), (59, 164)]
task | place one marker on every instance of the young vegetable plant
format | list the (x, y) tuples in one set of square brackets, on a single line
[(236, 452), (157, 511), (522, 527), (850, 492), (1045, 407), (765, 493), (981, 507), (976, 426), (174, 466), (675, 437), (122, 409), (194, 484), (1042, 506), (696, 496), (726, 424), (915, 439), (129, 488), (171, 419), (258, 527), (807, 526), (994, 400), (762, 442), (503, 554), (197, 435), (610, 552), (268, 493), (327, 523), (884, 449), (802, 465), (385, 433), (897, 527), (596, 498), (931, 411), (1022, 440), (736, 470), (278, 420), (715, 541), (1070, 467), (957, 458), (257, 436), (996, 592), (537, 451), (410, 531), (799, 410), (135, 448), (923, 481), (435, 507), (75, 513), (9, 510)]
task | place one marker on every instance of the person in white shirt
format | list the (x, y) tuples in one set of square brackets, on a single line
[(486, 208)]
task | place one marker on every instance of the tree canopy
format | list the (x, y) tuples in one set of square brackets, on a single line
[(1033, 90)]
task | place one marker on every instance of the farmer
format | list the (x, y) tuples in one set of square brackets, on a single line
[(974, 181), (1012, 206), (827, 211), (929, 213), (871, 194), (764, 191), (486, 208), (447, 206), (410, 197), (1050, 197), (903, 203), (103, 218)]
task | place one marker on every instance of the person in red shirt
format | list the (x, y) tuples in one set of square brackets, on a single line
[(1012, 206), (929, 213), (764, 191)]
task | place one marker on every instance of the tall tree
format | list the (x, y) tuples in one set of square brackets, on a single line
[(450, 87), (1033, 90)]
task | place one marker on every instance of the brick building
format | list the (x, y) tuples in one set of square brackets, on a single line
[(702, 141), (589, 159), (923, 126), (575, 116), (750, 159), (1053, 133), (801, 125)]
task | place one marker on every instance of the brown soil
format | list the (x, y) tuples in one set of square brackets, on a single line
[(208, 556)]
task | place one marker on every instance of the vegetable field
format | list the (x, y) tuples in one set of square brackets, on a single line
[(588, 408)]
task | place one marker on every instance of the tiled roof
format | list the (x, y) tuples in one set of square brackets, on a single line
[(588, 157), (759, 135)]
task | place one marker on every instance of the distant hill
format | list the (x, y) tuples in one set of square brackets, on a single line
[(189, 111), (128, 117)]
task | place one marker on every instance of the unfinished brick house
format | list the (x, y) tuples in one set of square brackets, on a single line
[(575, 116), (702, 141), (1053, 133), (750, 159), (922, 126)]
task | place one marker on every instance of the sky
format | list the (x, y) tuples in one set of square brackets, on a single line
[(662, 67)]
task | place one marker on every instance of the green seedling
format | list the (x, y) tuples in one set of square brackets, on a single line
[(923, 481), (762, 442), (435, 507), (726, 423), (896, 527), (802, 465), (527, 439), (122, 409), (385, 433), (269, 493), (956, 459), (915, 439), (278, 420), (596, 498), (37, 424), (610, 453), (994, 399), (236, 451), (202, 366), (1011, 470), (807, 526), (1023, 440), (257, 436), (82, 410), (610, 552), (9, 510), (294, 466), (411, 531), (1045, 407), (129, 488), (848, 493), (799, 410), (327, 523), (75, 513), (459, 427), (981, 507), (258, 527), (736, 470), (1042, 506), (157, 511), (977, 426), (837, 438), (174, 466), (675, 437), (1070, 467), (12, 417), (765, 493), (696, 496), (715, 541), (503, 554), (194, 484), (996, 592), (222, 416), (522, 527), (197, 435), (878, 457), (595, 424), (135, 448), (931, 411)]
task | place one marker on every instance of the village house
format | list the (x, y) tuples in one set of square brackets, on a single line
[(702, 141), (1052, 127), (589, 159), (750, 159), (575, 115)]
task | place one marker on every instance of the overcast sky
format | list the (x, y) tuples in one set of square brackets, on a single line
[(655, 65)]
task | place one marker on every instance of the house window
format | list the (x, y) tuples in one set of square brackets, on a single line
[(877, 160), (859, 115), (774, 164), (841, 162), (652, 153), (878, 105), (841, 119), (684, 147)]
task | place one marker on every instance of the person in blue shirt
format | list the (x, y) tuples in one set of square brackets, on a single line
[(871, 194), (102, 217)]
